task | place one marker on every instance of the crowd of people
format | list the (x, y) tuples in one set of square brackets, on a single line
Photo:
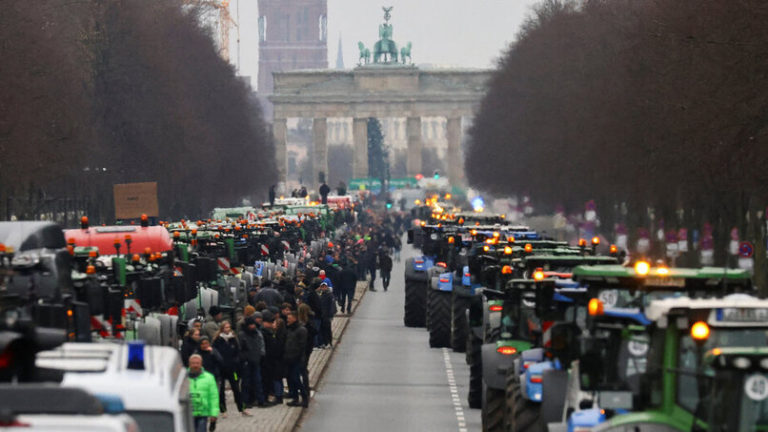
[(272, 338)]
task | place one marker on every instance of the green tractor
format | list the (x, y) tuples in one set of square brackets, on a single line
[(606, 363), (682, 385)]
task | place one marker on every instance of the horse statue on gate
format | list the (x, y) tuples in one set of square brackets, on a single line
[(385, 46), (365, 54), (405, 52)]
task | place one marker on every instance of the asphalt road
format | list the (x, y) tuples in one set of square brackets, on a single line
[(384, 377)]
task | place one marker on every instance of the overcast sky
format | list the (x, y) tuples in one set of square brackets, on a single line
[(463, 33)]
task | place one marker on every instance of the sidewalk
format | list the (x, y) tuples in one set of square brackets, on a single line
[(284, 418)]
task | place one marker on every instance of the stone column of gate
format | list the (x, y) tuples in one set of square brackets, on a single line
[(279, 134), (360, 139), (413, 132), (320, 154), (453, 155)]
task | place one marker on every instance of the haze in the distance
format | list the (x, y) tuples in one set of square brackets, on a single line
[(460, 33)]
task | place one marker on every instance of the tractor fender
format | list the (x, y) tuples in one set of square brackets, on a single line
[(495, 366), (441, 281), (533, 391), (415, 272), (533, 355), (466, 278)]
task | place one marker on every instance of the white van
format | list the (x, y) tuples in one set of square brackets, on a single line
[(150, 380), (73, 423), (49, 407)]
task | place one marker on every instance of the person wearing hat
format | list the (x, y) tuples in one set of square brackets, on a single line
[(211, 326), (251, 353), (272, 364)]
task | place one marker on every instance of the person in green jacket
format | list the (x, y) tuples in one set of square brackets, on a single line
[(203, 393)]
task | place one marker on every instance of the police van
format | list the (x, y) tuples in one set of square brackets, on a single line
[(49, 407), (151, 381)]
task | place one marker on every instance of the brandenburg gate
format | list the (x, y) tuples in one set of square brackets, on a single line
[(386, 87)]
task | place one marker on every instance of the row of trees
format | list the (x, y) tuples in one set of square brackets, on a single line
[(97, 92), (637, 104)]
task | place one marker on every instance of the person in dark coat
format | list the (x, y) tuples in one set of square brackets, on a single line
[(251, 353), (324, 191), (328, 306), (274, 347), (227, 345), (272, 195), (370, 266), (385, 268), (190, 344), (309, 296), (212, 360), (296, 342), (347, 282)]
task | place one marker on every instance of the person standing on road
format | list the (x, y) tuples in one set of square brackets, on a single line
[(212, 359), (295, 345), (274, 347), (251, 353), (324, 191), (328, 305), (202, 393), (385, 267), (310, 298), (228, 346), (211, 326), (370, 265), (347, 283), (190, 344)]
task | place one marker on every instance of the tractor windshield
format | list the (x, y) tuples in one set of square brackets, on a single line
[(624, 298), (690, 390), (625, 349), (520, 322), (754, 403), (734, 391)]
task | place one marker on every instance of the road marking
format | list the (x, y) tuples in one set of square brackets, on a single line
[(460, 419)]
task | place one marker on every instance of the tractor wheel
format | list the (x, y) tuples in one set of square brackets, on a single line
[(493, 409), (439, 318), (459, 325), (415, 304), (521, 415), (475, 360)]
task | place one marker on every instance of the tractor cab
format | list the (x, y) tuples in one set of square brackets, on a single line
[(737, 382), (609, 374)]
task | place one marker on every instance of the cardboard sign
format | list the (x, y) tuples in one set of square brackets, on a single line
[(134, 199)]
